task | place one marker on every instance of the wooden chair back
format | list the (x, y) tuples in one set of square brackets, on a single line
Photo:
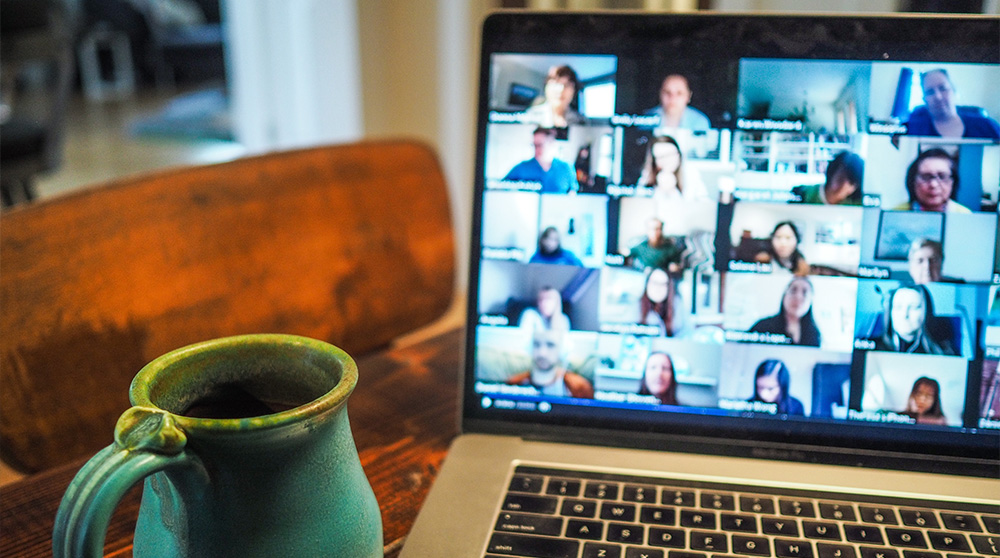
[(351, 244)]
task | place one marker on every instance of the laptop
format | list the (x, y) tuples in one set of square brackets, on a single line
[(733, 291)]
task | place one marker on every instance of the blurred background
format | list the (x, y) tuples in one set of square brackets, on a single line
[(97, 89)]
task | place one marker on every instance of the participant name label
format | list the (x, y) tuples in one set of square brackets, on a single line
[(770, 125), (752, 267), (757, 337), (886, 128), (649, 120), (514, 254), (869, 272)]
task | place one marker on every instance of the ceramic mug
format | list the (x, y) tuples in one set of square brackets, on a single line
[(245, 449)]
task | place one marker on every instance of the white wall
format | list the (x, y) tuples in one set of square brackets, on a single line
[(293, 71), (311, 72)]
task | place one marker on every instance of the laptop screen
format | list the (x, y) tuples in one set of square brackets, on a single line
[(758, 232)]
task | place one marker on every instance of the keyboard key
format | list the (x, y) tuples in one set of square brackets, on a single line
[(865, 534), (796, 508), (698, 519), (579, 508), (717, 501), (618, 512), (535, 547), (754, 546), (784, 548), (986, 544), (757, 504), (621, 533), (779, 526), (867, 552), (641, 494), (526, 483), (679, 554), (602, 490), (532, 504), (921, 554), (951, 542), (533, 524), (597, 550), (960, 522), (709, 542), (563, 487), (581, 529), (739, 523), (642, 552), (919, 518), (829, 550), (879, 516), (905, 537), (658, 515), (840, 512), (992, 523), (821, 530), (677, 497), (669, 538)]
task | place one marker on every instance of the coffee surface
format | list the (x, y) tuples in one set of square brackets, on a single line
[(232, 402)]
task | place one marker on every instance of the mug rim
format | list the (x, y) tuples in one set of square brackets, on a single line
[(147, 379)]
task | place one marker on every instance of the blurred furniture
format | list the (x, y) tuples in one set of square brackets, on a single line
[(119, 79), (403, 419), (36, 78), (350, 244), (186, 39)]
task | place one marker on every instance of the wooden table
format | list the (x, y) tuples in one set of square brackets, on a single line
[(403, 414)]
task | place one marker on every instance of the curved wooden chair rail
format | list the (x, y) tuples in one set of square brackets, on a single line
[(351, 244)]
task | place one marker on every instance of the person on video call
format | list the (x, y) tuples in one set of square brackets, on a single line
[(940, 116), (550, 250), (794, 319), (844, 177), (659, 304), (662, 170), (932, 183), (925, 259), (548, 372), (555, 175), (910, 324), (675, 110), (771, 382), (556, 107), (547, 313), (658, 378), (924, 403), (783, 250), (657, 250)]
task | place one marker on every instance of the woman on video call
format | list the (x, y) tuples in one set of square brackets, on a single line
[(556, 108), (663, 170), (783, 250), (658, 378), (910, 324), (550, 250), (932, 183), (771, 381), (659, 305), (795, 318), (924, 403)]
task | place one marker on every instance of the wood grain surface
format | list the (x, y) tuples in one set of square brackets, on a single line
[(349, 244)]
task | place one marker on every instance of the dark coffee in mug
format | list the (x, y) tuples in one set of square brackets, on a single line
[(232, 401)]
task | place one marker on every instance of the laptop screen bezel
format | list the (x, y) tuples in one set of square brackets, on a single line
[(732, 37)]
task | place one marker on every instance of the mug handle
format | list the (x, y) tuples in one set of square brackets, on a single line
[(147, 440)]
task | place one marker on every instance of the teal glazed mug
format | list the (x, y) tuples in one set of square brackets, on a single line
[(245, 449)]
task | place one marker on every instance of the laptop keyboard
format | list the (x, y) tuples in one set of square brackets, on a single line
[(554, 513)]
